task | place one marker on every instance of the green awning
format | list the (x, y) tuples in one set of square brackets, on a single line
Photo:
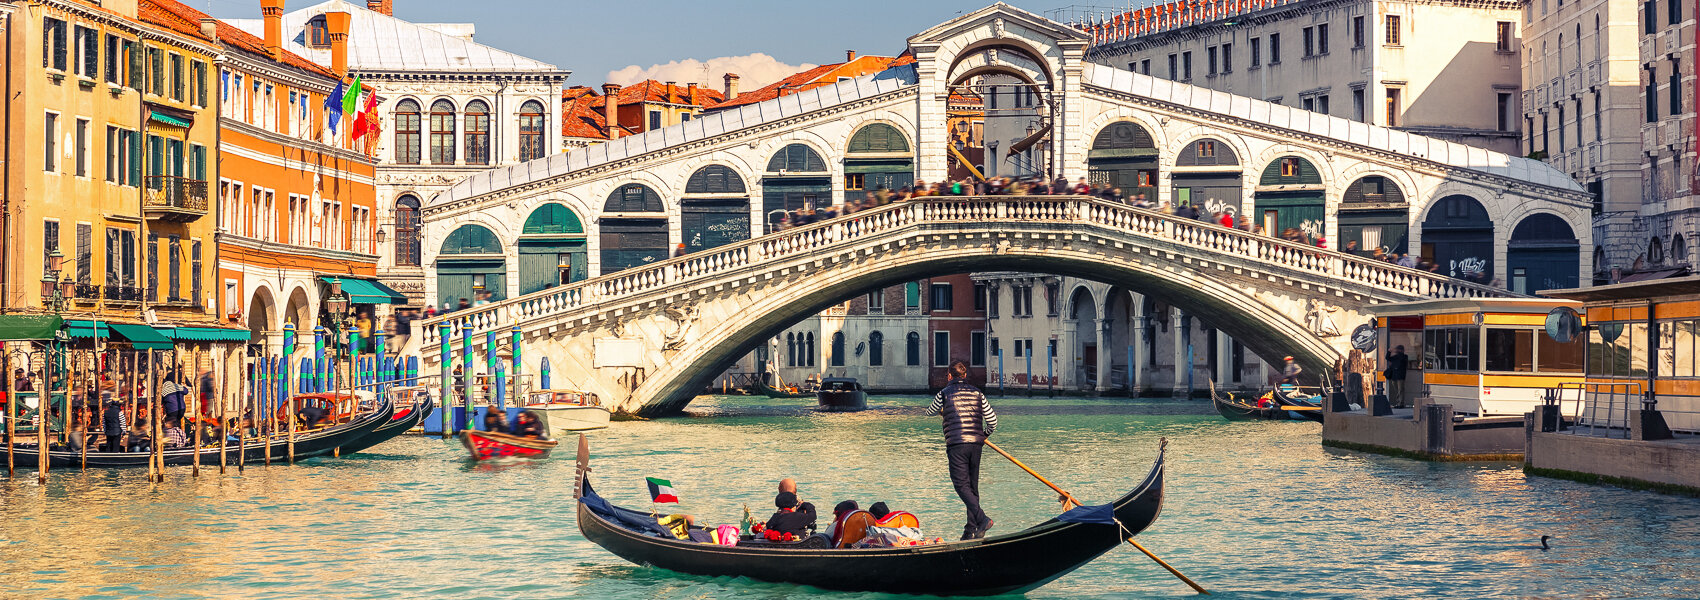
[(206, 334), (365, 291), (88, 329), (142, 337), (169, 120), (29, 327)]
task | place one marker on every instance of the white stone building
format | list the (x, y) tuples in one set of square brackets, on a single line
[(1583, 111), (449, 107), (1446, 69), (1656, 242)]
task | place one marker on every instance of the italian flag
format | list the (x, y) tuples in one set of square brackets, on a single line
[(661, 491)]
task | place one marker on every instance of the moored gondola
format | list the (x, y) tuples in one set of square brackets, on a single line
[(308, 444), (412, 406), (1003, 564)]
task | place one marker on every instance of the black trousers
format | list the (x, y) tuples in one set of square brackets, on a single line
[(965, 475)]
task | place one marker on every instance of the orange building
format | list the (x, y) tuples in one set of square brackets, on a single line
[(295, 200), (637, 108)]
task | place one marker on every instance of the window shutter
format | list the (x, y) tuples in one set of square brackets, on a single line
[(59, 45), (195, 272), (135, 145), (85, 252), (114, 257), (135, 74), (153, 267), (174, 262)]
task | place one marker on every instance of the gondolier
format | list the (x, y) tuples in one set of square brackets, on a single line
[(968, 420)]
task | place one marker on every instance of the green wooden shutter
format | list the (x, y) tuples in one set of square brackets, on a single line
[(134, 142)]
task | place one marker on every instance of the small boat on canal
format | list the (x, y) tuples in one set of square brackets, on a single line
[(1004, 564), (486, 445), (841, 394), (308, 443), (1272, 406), (412, 405), (567, 411)]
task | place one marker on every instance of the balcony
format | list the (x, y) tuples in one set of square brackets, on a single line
[(175, 199), (123, 293), (86, 292)]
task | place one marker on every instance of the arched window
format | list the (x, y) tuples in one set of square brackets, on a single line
[(878, 137), (407, 231), (1678, 249), (442, 132), (407, 132), (809, 348), (630, 238), (837, 359), (715, 210), (477, 133), (912, 349), (532, 122), (472, 239), (1655, 252), (796, 158), (553, 218), (790, 349), (876, 349)]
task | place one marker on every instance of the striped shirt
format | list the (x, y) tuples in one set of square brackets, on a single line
[(968, 417)]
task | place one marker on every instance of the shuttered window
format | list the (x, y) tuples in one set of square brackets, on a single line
[(53, 43), (85, 253), (195, 272), (49, 240), (796, 158), (174, 276), (153, 268)]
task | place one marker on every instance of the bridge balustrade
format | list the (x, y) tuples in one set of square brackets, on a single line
[(750, 255)]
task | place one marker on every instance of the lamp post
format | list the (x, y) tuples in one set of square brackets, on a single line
[(55, 293), (337, 306)]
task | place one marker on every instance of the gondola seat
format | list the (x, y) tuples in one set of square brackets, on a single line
[(851, 528)]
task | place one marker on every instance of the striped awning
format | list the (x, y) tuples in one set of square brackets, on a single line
[(206, 334)]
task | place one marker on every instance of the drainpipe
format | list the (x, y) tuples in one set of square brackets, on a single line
[(6, 265)]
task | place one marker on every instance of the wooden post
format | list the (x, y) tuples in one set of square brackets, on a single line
[(43, 399), (289, 414), (195, 412), (11, 417), (220, 363), (92, 387), (262, 425), (153, 417)]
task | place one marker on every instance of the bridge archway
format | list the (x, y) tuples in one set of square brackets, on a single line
[(1543, 255), (1291, 196), (796, 177), (1458, 236), (633, 228), (471, 266), (1374, 215), (1124, 155), (1207, 172), (1266, 329), (715, 209), (551, 248)]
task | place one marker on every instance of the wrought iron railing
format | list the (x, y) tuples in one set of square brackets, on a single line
[(889, 222), (87, 291), (166, 191), (123, 293)]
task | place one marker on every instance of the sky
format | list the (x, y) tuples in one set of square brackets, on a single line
[(628, 41)]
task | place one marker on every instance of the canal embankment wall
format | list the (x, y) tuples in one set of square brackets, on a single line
[(1665, 465), (1428, 433)]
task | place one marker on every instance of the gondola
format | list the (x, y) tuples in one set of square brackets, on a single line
[(772, 392), (486, 445), (319, 442), (1235, 410), (1298, 408), (1004, 564), (408, 414)]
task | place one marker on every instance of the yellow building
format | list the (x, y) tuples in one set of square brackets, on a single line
[(111, 131)]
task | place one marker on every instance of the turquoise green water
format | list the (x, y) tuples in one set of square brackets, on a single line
[(1255, 510)]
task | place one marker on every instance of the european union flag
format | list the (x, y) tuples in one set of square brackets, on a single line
[(333, 105)]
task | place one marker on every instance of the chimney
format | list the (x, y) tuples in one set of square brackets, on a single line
[(671, 95), (336, 23), (272, 12), (381, 6), (691, 93), (611, 109), (209, 28), (849, 56), (731, 85)]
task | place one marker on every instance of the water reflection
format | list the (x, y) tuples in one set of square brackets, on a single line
[(1255, 510)]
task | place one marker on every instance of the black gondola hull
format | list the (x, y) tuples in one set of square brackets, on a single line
[(1003, 564), (308, 445), (390, 430)]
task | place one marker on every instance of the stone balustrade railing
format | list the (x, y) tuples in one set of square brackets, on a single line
[(754, 255)]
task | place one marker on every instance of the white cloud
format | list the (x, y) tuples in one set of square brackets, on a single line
[(754, 71)]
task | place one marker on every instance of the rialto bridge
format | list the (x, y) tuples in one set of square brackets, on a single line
[(647, 331)]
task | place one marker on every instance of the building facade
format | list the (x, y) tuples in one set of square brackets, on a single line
[(636, 108), (1447, 70), (1658, 238), (1583, 112), (296, 200), (449, 107)]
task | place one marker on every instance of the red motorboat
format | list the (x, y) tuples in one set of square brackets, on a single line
[(487, 445)]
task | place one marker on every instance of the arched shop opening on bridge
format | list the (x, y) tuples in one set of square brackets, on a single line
[(879, 156), (1543, 254), (551, 249), (796, 178), (1374, 216), (715, 210), (1290, 196), (1206, 173), (472, 267), (1457, 235), (1124, 155), (634, 228)]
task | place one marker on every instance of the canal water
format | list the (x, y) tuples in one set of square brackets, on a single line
[(1254, 510)]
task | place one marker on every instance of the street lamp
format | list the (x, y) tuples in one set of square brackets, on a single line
[(55, 292)]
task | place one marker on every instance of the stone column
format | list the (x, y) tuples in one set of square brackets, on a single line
[(1225, 360), (1105, 352), (1181, 326), (1136, 337)]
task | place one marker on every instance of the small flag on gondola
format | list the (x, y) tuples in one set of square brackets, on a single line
[(661, 491)]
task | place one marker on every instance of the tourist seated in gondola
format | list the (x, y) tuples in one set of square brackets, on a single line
[(788, 524), (849, 524), (311, 414), (495, 421), (138, 439), (528, 425), (174, 437), (885, 517)]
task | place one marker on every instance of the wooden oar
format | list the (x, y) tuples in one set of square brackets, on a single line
[(1296, 407), (1069, 499)]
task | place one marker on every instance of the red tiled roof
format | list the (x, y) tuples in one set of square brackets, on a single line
[(582, 114), (178, 17), (652, 91), (818, 76)]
